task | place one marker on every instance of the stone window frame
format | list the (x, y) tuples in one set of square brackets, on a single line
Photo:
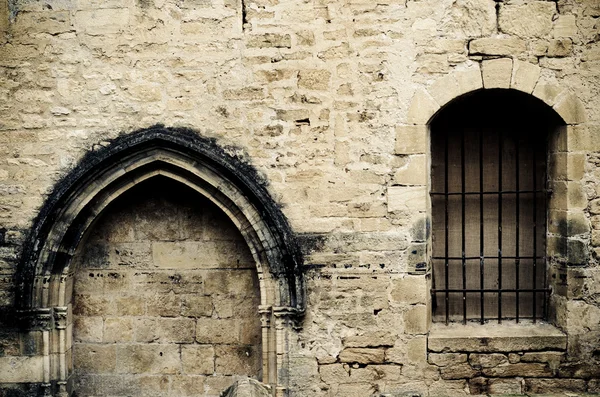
[(567, 229), (45, 279)]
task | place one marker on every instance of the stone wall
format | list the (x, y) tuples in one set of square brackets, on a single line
[(329, 101), (165, 298)]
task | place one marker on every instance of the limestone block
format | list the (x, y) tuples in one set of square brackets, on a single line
[(576, 198), (42, 22), (21, 369), (362, 355), (532, 19), (471, 18), (407, 198), (102, 21), (87, 329), (266, 40), (236, 283), (244, 94), (416, 350), (565, 26), (444, 89), (409, 290), (524, 76), (497, 46), (560, 47), (355, 389), (148, 358), (373, 373), (165, 305), (413, 173), (422, 107), (415, 320), (571, 109), (314, 79), (497, 73), (411, 139), (95, 358), (552, 386), (504, 386), (130, 305), (552, 358), (198, 360), (176, 330), (444, 359), (487, 360), (458, 371), (334, 373), (548, 93), (196, 306), (236, 360), (211, 330), (376, 339), (146, 330), (187, 385), (469, 79), (118, 329)]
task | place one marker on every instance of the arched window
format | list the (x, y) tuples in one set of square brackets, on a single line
[(489, 207)]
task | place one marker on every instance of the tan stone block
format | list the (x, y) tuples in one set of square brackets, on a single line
[(130, 305), (445, 359), (487, 360), (416, 350), (409, 290), (376, 339), (444, 89), (565, 26), (362, 355), (165, 305), (373, 373), (355, 389), (459, 371), (117, 329), (422, 108), (211, 330), (497, 73), (314, 79), (145, 92), (196, 306), (407, 198), (533, 370), (102, 21), (497, 46), (146, 330), (95, 358), (187, 385), (198, 360), (244, 94), (236, 360), (548, 93), (525, 76), (470, 18), (155, 359), (469, 79), (42, 22), (527, 20), (334, 373), (505, 386), (413, 173), (415, 320), (176, 330), (93, 305), (267, 40), (411, 139), (553, 386), (87, 329), (571, 109), (576, 197), (560, 47), (432, 63)]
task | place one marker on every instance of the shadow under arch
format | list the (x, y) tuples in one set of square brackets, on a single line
[(44, 276)]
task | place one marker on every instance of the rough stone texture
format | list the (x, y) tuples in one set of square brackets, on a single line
[(329, 101), (165, 246)]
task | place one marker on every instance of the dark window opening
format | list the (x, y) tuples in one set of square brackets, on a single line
[(489, 207)]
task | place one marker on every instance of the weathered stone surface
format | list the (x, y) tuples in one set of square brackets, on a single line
[(497, 73), (444, 359), (524, 76), (362, 355), (533, 370), (505, 338), (198, 360), (458, 371), (247, 388), (497, 46), (487, 360), (422, 107), (527, 20), (411, 139)]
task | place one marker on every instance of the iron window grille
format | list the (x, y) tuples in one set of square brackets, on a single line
[(489, 224)]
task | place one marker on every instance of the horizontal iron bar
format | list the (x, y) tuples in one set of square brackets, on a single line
[(491, 290), (460, 258), (480, 193)]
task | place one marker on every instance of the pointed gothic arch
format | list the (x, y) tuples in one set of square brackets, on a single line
[(44, 275)]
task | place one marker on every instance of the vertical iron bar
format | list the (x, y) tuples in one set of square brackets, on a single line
[(481, 250), (464, 263), (534, 231), (517, 225), (446, 237), (500, 146)]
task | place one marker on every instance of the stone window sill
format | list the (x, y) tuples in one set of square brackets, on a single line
[(494, 337)]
